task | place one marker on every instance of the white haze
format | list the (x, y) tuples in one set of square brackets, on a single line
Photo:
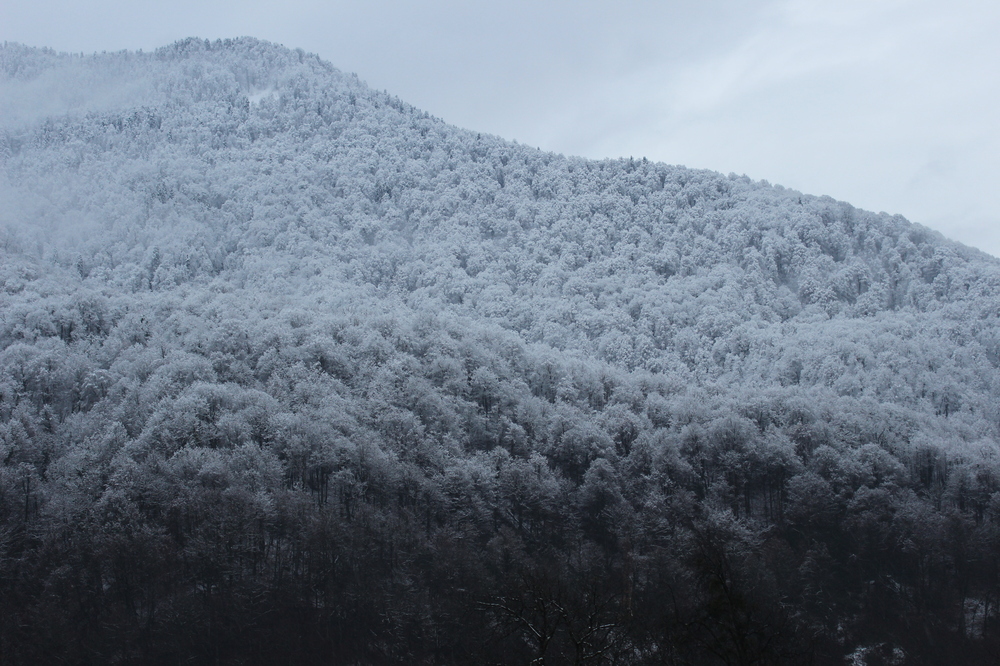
[(888, 104), (57, 92)]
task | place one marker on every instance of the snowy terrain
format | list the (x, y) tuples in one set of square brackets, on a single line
[(291, 372)]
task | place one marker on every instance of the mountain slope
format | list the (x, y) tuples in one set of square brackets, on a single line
[(284, 356)]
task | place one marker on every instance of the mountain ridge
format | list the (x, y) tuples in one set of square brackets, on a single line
[(402, 380)]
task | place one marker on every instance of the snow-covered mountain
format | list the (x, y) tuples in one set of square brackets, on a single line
[(291, 371)]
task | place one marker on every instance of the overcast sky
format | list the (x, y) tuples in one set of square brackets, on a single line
[(888, 104)]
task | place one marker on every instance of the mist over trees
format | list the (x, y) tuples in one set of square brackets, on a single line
[(292, 372)]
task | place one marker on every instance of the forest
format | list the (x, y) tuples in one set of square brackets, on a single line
[(292, 372)]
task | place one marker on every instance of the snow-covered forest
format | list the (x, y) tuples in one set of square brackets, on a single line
[(292, 372)]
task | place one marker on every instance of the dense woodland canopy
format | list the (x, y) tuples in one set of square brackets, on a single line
[(293, 373)]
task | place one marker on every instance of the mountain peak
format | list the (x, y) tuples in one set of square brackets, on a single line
[(292, 371)]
